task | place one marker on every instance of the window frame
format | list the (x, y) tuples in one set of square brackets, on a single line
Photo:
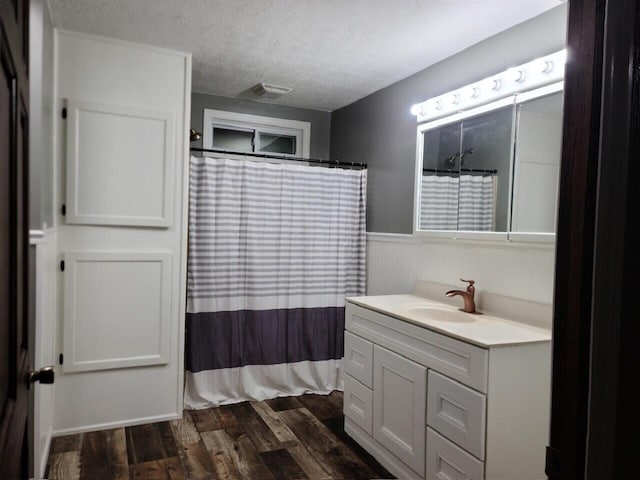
[(258, 124)]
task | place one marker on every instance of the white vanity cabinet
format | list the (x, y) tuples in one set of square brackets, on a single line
[(429, 405)]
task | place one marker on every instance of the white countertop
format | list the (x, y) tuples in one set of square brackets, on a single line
[(483, 330)]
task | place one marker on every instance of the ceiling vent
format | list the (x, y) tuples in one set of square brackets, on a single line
[(266, 90)]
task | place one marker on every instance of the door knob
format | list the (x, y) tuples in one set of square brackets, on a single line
[(45, 375)]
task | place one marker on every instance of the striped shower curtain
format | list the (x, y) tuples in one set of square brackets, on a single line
[(477, 203), (439, 202), (274, 249), (460, 202)]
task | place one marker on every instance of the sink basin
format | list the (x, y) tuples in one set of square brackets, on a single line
[(429, 312)]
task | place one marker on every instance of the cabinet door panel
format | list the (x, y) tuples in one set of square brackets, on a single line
[(399, 405), (445, 461)]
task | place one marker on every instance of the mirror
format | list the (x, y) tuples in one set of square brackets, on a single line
[(467, 162), (492, 172), (538, 149)]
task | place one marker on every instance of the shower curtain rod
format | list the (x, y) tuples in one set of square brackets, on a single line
[(329, 163), (462, 170)]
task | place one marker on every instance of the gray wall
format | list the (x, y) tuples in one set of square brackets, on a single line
[(41, 119), (320, 121), (380, 130)]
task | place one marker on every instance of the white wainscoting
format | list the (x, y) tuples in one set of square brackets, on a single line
[(395, 262), (44, 343), (116, 310), (128, 181)]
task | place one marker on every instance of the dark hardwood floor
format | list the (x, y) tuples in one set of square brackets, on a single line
[(284, 438)]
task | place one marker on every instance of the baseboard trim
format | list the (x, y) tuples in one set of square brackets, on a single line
[(386, 459), (108, 425)]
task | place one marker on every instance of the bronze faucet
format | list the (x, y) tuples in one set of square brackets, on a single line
[(468, 296)]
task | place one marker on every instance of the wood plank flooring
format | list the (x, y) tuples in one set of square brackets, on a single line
[(280, 439)]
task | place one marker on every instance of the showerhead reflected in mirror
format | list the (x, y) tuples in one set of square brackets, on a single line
[(492, 170), (468, 189)]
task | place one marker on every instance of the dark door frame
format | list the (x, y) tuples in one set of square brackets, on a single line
[(595, 315), (14, 234), (615, 369)]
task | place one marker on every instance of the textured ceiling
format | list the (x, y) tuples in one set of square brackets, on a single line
[(331, 52)]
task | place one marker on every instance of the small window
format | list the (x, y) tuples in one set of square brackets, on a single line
[(273, 142), (241, 133), (233, 139)]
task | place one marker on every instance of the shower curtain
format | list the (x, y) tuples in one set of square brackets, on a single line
[(274, 249), (464, 202), (439, 202), (477, 203)]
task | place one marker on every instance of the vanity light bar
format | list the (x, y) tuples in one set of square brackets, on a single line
[(536, 73)]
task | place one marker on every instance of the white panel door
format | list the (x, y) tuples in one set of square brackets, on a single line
[(399, 406), (121, 169), (120, 165), (116, 310)]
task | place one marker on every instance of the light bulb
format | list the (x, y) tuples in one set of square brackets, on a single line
[(516, 75), (434, 104), (494, 84), (472, 92), (454, 99), (543, 66), (417, 109)]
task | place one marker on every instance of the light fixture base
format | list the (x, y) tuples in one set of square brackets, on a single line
[(535, 74)]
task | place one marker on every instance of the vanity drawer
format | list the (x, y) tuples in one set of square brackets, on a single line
[(358, 358), (459, 360), (358, 404), (446, 461), (457, 412)]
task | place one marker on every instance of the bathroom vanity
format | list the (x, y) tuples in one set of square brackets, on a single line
[(435, 393)]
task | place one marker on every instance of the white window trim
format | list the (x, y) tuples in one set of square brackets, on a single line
[(301, 130)]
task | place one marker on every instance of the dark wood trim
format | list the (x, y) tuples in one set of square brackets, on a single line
[(14, 276), (575, 239), (594, 420), (613, 419)]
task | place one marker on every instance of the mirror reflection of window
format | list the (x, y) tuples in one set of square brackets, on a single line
[(537, 164)]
